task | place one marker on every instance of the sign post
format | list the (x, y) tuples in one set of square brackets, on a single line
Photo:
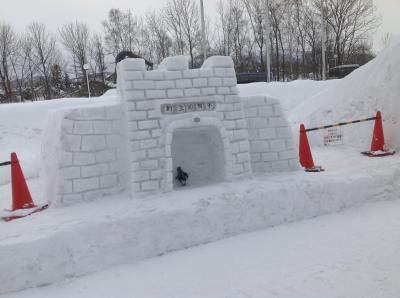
[(86, 68), (203, 31)]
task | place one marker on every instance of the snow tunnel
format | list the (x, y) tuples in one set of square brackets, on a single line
[(199, 151)]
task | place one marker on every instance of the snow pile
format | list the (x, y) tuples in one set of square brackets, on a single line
[(289, 94), (373, 87)]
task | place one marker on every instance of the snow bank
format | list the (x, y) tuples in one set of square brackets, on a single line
[(375, 86), (289, 94), (85, 238)]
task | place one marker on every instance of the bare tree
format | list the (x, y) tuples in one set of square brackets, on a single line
[(300, 31), (351, 22), (19, 63), (43, 53), (174, 21), (27, 52), (313, 38), (8, 49), (225, 28), (98, 56), (144, 45), (121, 31), (31, 66), (276, 11), (241, 38), (257, 11), (75, 37), (159, 38), (191, 26)]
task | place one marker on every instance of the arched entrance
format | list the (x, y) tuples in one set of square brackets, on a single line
[(200, 149)]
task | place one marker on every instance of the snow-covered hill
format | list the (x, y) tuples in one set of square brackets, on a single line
[(374, 86)]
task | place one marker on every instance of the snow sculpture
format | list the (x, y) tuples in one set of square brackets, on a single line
[(168, 118)]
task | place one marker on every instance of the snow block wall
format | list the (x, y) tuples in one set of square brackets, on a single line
[(271, 140), (85, 159), (168, 118), (161, 103)]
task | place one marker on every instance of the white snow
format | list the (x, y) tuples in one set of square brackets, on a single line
[(21, 129), (135, 64), (175, 63), (351, 254), (128, 231), (218, 62), (290, 94), (370, 88)]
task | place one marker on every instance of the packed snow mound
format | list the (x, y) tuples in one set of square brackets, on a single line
[(290, 94), (374, 86)]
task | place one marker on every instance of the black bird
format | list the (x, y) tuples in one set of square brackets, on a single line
[(181, 176)]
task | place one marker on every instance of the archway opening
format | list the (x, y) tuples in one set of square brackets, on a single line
[(198, 151)]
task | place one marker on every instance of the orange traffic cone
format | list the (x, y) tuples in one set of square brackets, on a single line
[(22, 203), (305, 155), (378, 140), (21, 197)]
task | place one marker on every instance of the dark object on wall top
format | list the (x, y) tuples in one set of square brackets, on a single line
[(123, 55), (128, 54)]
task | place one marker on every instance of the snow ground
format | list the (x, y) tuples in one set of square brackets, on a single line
[(122, 231), (351, 254)]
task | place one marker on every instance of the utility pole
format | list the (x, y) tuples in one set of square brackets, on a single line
[(323, 41), (203, 31), (86, 68), (267, 42)]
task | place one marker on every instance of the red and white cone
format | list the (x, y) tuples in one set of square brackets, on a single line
[(22, 203), (305, 155), (378, 148)]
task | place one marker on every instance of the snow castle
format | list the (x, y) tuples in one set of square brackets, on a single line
[(166, 118)]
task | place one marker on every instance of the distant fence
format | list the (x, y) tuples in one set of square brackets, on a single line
[(251, 77)]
